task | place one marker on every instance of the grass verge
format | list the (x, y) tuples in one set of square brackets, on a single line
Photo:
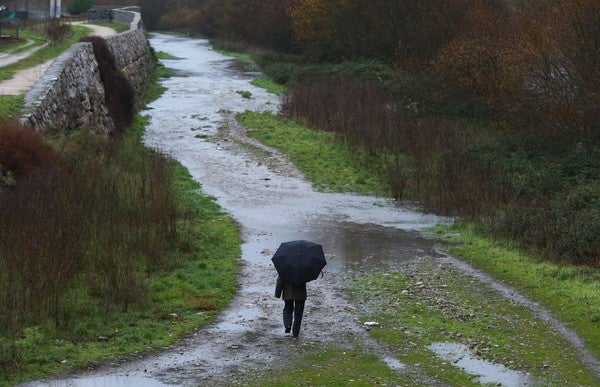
[(329, 165), (44, 54), (269, 85), (333, 367), (245, 59), (432, 304), (199, 282), (10, 106), (572, 292), (118, 27), (29, 39)]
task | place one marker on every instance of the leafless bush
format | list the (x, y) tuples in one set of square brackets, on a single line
[(56, 31), (98, 224), (439, 172)]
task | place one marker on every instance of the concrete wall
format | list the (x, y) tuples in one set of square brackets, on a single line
[(70, 94)]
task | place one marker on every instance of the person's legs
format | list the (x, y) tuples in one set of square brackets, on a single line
[(288, 309), (298, 311)]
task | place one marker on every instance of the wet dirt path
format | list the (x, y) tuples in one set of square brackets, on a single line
[(193, 122)]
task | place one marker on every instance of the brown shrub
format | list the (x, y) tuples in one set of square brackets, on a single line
[(439, 173), (22, 151), (537, 67)]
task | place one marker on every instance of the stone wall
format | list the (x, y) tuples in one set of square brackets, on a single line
[(70, 94), (127, 15), (134, 57)]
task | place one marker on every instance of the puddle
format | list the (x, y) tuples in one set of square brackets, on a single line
[(394, 364), (105, 381), (487, 372)]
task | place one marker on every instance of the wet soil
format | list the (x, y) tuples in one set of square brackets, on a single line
[(194, 123)]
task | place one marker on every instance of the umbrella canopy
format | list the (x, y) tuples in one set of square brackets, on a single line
[(299, 261)]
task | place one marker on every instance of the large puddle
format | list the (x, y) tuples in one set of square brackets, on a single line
[(485, 372)]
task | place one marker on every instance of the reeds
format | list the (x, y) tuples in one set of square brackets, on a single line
[(429, 156), (92, 227)]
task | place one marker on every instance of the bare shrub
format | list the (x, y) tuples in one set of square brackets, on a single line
[(440, 173), (56, 31), (96, 227), (536, 67), (22, 150)]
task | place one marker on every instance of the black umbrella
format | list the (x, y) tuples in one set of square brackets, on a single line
[(299, 261)]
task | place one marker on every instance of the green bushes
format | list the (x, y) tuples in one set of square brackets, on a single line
[(78, 7), (566, 226)]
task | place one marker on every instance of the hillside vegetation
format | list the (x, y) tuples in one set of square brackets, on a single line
[(482, 109), (107, 248)]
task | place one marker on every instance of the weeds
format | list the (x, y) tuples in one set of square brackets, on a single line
[(451, 309), (245, 94), (131, 242), (56, 31), (112, 216)]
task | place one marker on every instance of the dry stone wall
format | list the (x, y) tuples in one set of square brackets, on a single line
[(134, 57), (71, 95)]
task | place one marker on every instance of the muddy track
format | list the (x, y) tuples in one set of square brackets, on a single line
[(268, 197)]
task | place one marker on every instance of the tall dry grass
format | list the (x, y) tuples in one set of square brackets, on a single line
[(428, 157), (545, 201), (85, 233)]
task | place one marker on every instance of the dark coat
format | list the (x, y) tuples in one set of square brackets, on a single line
[(289, 291)]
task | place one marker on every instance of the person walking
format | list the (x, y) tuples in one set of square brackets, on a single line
[(294, 297)]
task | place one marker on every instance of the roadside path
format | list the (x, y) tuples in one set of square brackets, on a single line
[(26, 78)]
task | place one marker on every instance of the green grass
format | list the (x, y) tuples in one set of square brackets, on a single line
[(269, 85), (245, 59), (448, 308), (572, 292), (333, 367), (244, 93), (184, 296), (24, 35), (327, 163), (44, 54), (154, 88), (165, 55), (118, 27), (10, 106)]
